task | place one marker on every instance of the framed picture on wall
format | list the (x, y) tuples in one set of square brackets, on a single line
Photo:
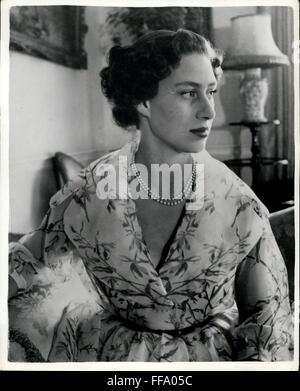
[(129, 23), (55, 33)]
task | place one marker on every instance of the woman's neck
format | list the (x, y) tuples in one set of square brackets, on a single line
[(152, 151)]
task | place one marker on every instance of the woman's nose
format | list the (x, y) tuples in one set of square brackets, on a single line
[(206, 109)]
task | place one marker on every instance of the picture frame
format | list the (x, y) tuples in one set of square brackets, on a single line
[(54, 33), (126, 24)]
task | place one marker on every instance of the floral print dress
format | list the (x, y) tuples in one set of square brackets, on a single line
[(223, 280)]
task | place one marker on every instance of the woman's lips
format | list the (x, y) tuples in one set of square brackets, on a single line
[(200, 132)]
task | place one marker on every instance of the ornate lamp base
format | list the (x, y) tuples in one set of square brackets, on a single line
[(254, 92)]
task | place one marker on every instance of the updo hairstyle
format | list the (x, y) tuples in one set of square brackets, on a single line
[(134, 71)]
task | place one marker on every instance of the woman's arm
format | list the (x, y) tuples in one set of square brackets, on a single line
[(265, 330), (43, 247)]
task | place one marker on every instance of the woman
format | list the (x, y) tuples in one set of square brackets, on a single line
[(179, 280)]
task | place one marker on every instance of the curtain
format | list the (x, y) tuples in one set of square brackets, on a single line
[(283, 86)]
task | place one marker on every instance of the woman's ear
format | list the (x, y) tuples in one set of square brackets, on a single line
[(143, 108)]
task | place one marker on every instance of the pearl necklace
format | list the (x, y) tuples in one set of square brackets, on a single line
[(177, 199)]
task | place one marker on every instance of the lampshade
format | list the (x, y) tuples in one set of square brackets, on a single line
[(252, 44)]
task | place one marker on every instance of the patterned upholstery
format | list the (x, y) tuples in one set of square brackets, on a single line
[(282, 223), (34, 314)]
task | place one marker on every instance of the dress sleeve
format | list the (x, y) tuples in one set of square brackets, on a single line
[(49, 244), (265, 329)]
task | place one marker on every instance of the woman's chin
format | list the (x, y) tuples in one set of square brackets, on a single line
[(197, 146)]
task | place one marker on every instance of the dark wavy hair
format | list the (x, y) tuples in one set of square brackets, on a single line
[(134, 71)]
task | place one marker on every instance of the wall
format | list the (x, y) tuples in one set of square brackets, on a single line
[(54, 108), (46, 114)]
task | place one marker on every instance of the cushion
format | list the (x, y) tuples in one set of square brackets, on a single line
[(34, 315), (65, 168)]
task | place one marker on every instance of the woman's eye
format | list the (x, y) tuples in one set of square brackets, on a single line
[(189, 94), (211, 93)]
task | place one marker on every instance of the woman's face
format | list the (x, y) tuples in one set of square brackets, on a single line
[(181, 114)]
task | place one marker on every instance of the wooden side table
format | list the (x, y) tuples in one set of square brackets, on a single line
[(257, 163)]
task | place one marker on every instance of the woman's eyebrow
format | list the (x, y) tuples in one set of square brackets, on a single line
[(194, 84)]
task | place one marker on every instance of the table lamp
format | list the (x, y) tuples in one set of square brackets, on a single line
[(252, 48)]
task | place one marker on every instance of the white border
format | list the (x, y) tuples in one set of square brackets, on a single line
[(4, 201)]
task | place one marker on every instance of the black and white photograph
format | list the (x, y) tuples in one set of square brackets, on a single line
[(150, 183)]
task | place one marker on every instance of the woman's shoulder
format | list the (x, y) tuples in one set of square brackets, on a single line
[(231, 188)]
